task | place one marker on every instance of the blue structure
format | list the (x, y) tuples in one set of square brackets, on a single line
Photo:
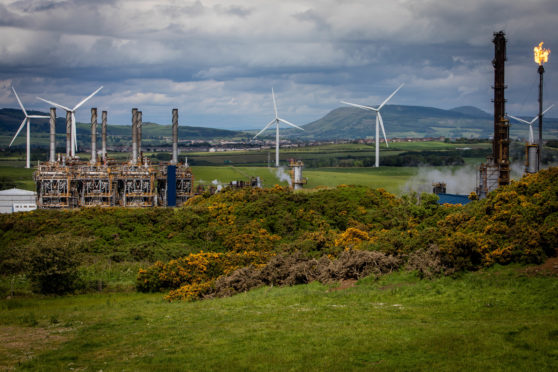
[(453, 199), (171, 186)]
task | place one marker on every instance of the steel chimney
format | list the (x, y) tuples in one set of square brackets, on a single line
[(52, 123), (174, 159), (93, 135), (134, 135), (104, 135)]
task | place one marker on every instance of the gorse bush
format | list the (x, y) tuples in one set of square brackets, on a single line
[(516, 223), (195, 272)]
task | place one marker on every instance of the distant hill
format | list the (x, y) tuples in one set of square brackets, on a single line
[(410, 121), (472, 111), (340, 123), (10, 120)]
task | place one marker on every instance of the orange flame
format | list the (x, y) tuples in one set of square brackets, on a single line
[(541, 54)]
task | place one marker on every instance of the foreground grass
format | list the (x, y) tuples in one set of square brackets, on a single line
[(496, 320)]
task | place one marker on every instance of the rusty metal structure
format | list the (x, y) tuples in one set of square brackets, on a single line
[(496, 171), (68, 182), (439, 188)]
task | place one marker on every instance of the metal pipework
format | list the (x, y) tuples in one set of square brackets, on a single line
[(174, 159), (138, 133), (93, 135), (68, 134), (52, 122), (134, 135), (104, 135)]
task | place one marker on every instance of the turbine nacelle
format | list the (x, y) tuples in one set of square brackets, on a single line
[(26, 120), (276, 121), (530, 123), (72, 115), (379, 120)]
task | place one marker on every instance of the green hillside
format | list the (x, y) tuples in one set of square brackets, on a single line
[(411, 121), (10, 120)]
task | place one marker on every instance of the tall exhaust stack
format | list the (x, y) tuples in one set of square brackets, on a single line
[(541, 56), (104, 134), (501, 141), (174, 159), (134, 135), (52, 123), (68, 134), (93, 135), (138, 134)]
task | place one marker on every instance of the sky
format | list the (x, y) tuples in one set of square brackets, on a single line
[(216, 61)]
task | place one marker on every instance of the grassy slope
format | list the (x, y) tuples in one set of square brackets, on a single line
[(495, 320)]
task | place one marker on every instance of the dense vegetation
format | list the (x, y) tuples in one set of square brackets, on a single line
[(517, 223)]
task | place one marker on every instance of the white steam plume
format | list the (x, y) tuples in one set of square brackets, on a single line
[(218, 184), (462, 180), (282, 175)]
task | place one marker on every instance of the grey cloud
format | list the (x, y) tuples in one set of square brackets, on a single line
[(227, 56)]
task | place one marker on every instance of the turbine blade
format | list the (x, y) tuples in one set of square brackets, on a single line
[(391, 95), (54, 104), (19, 101), (274, 103), (87, 98), (267, 126), (289, 123), (531, 136), (549, 107), (19, 130), (521, 120), (383, 129), (38, 117), (544, 112), (360, 106)]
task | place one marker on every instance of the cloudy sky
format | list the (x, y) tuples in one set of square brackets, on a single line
[(216, 61)]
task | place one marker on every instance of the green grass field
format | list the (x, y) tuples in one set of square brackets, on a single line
[(498, 319), (390, 178), (230, 166)]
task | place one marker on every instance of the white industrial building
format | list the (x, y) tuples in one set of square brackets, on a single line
[(17, 200)]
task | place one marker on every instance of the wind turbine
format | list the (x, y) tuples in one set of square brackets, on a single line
[(73, 145), (276, 121), (379, 122), (28, 121), (530, 123)]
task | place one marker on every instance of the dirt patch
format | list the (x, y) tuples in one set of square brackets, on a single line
[(20, 344), (548, 268)]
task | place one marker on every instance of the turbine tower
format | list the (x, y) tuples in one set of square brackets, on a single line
[(27, 120), (379, 122), (73, 138), (530, 123), (276, 121)]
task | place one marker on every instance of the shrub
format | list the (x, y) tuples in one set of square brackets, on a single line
[(53, 265)]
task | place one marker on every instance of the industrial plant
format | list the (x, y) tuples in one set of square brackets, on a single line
[(67, 182), (496, 171)]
